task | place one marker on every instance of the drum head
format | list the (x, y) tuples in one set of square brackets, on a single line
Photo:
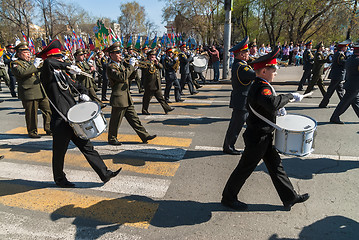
[(83, 112), (200, 61), (296, 122)]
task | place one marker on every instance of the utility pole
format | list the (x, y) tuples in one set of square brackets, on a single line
[(227, 37)]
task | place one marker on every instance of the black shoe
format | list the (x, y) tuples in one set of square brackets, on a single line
[(168, 101), (150, 137), (1, 157), (114, 142), (141, 91), (199, 86), (111, 175), (336, 121), (193, 93), (322, 106), (64, 183), (297, 199), (49, 133), (181, 100), (1, 101), (34, 135), (104, 99), (103, 106), (232, 151), (145, 112), (169, 110), (236, 205)]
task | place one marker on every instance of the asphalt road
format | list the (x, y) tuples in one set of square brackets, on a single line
[(171, 187)]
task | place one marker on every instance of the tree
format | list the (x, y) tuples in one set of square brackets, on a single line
[(132, 19)]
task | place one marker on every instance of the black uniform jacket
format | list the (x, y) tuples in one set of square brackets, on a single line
[(261, 98), (62, 99), (352, 73), (185, 60), (338, 66), (242, 78), (308, 60), (169, 65)]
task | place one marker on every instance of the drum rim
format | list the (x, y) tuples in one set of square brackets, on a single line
[(298, 131), (98, 112)]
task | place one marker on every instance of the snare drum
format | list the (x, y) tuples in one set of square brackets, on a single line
[(87, 120), (297, 136), (200, 63)]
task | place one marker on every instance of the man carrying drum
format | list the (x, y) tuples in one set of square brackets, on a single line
[(258, 137), (59, 87)]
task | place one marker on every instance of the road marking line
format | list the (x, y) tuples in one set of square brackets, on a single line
[(132, 185), (109, 210), (75, 158), (165, 141)]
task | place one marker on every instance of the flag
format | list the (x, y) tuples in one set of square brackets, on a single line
[(154, 42), (138, 42), (73, 31), (24, 36), (146, 42), (1, 51), (129, 43), (92, 46), (43, 43)]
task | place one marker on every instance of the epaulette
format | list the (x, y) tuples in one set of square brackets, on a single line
[(14, 63)]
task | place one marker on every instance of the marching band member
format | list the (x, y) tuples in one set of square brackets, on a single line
[(152, 84), (258, 138), (242, 77), (337, 74), (84, 80), (185, 58), (132, 54), (8, 57), (171, 64), (30, 90), (308, 60), (121, 100), (59, 87)]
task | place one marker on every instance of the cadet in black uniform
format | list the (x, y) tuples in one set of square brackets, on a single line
[(337, 74), (242, 77), (185, 59), (308, 60), (351, 86), (8, 58), (258, 138), (171, 63), (59, 88)]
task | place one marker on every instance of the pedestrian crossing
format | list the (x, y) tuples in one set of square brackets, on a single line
[(26, 180)]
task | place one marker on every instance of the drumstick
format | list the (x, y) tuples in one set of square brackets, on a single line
[(304, 96), (82, 73)]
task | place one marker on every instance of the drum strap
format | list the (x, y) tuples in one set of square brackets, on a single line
[(266, 120), (58, 111)]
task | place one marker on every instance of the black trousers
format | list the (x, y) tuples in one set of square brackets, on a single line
[(335, 85), (351, 97), (235, 126), (62, 134), (104, 87), (172, 81), (259, 147), (316, 79), (12, 85), (305, 78), (187, 78)]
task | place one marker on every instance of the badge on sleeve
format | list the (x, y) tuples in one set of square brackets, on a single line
[(266, 92)]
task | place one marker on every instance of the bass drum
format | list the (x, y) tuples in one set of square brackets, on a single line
[(200, 63), (87, 120)]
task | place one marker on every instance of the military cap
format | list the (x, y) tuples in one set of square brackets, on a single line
[(344, 43), (10, 46), (268, 60), (144, 48), (116, 47), (241, 46), (169, 50), (319, 45), (53, 49), (151, 52), (183, 45), (23, 46), (309, 43), (79, 51), (130, 47)]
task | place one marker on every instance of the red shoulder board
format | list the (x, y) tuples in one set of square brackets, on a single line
[(266, 92)]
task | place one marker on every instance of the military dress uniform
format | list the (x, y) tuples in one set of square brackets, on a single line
[(12, 83), (121, 100), (59, 88), (258, 139), (171, 79), (351, 86), (99, 70), (337, 75), (135, 76), (308, 60), (3, 74), (318, 69), (185, 59), (242, 77), (152, 85), (31, 93)]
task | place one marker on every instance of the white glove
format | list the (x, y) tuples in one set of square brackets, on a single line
[(132, 61), (14, 58), (37, 62), (297, 97), (74, 69), (281, 112), (84, 97)]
